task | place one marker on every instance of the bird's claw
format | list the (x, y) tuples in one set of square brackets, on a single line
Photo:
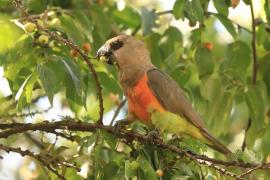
[(119, 125), (154, 136)]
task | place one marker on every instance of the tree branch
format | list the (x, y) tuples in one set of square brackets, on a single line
[(40, 158), (261, 166), (130, 136)]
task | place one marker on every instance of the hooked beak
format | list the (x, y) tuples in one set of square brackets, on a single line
[(105, 54)]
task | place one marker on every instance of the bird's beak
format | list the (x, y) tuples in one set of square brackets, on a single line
[(104, 54)]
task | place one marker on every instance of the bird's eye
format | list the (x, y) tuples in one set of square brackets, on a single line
[(115, 45)]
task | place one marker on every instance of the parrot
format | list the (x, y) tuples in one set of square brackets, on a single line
[(151, 94)]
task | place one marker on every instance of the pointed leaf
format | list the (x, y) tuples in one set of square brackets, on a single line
[(227, 24), (196, 5), (204, 61), (48, 81), (178, 8), (221, 7), (74, 74), (30, 86), (255, 102)]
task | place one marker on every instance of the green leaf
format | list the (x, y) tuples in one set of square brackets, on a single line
[(74, 86), (190, 12), (261, 34), (72, 174), (131, 168), (178, 8), (204, 61), (255, 102), (110, 139), (171, 46), (210, 88), (21, 90), (24, 94), (181, 74), (128, 17), (152, 42), (221, 7), (247, 2), (196, 5), (109, 83), (145, 166), (195, 37), (75, 101), (74, 74), (30, 86), (238, 56), (219, 111), (186, 169), (102, 26), (227, 24), (48, 80), (148, 19), (267, 10), (109, 171)]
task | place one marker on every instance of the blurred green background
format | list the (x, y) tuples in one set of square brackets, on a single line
[(204, 45)]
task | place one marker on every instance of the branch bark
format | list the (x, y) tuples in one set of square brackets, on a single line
[(71, 125)]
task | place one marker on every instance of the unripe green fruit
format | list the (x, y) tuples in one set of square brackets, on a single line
[(43, 39), (29, 27), (55, 22), (40, 23), (51, 14)]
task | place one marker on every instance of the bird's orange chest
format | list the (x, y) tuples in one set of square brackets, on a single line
[(141, 99)]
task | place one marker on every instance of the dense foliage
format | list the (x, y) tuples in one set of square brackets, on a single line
[(227, 82)]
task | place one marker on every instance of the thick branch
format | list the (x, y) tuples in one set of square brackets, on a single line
[(71, 125)]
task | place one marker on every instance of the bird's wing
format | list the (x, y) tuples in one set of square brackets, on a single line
[(172, 97)]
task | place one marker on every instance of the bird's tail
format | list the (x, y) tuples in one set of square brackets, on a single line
[(215, 144), (206, 137)]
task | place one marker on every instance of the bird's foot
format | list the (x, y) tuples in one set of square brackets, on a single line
[(121, 124), (154, 137)]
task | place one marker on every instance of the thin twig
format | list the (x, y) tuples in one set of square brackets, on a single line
[(254, 70), (164, 12), (260, 166), (136, 30), (36, 156), (253, 44), (25, 114), (117, 111)]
